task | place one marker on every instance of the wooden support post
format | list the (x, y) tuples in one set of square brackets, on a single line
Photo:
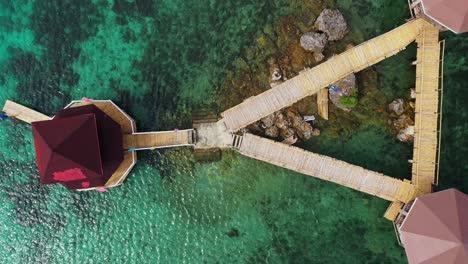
[(322, 103)]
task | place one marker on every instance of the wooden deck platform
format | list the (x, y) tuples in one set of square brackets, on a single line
[(160, 139), (322, 103), (23, 113), (393, 210), (325, 168), (310, 81), (123, 170), (426, 137), (113, 111)]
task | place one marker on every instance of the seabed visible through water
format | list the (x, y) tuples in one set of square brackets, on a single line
[(162, 61)]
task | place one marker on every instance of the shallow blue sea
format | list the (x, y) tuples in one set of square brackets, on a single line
[(161, 60)]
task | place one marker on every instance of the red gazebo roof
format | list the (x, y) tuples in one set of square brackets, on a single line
[(80, 148), (452, 14), (436, 229)]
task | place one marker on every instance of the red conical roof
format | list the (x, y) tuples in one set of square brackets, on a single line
[(452, 14), (80, 148), (67, 149), (436, 229)]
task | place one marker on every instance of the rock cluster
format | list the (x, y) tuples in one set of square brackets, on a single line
[(331, 26), (345, 86), (287, 125), (332, 23), (401, 121), (314, 41), (397, 106)]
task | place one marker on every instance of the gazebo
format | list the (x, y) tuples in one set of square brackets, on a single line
[(81, 147), (435, 229), (449, 14)]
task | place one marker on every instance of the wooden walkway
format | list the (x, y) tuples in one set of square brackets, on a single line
[(312, 80), (427, 109), (23, 113), (325, 168), (160, 139)]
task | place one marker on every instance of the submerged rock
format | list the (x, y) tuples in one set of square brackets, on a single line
[(405, 127), (285, 124), (406, 134), (272, 132), (345, 86), (397, 106), (402, 122), (316, 132), (413, 93), (318, 57), (332, 23), (314, 41)]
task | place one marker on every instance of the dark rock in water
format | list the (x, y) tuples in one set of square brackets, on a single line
[(316, 132), (318, 57), (314, 41), (301, 128), (405, 127), (233, 233), (272, 132), (397, 106), (333, 23), (345, 86), (284, 124), (268, 121), (406, 134)]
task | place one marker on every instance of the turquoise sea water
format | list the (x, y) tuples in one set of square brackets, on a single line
[(162, 60)]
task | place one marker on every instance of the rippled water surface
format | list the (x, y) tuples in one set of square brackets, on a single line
[(160, 60)]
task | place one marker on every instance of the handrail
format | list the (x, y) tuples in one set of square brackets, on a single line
[(436, 180)]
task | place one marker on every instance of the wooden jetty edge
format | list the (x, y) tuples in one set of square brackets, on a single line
[(23, 113), (325, 168), (312, 80), (160, 139), (426, 133)]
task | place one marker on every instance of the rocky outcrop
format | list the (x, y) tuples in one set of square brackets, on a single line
[(405, 127), (287, 125), (315, 42), (406, 134), (276, 75), (345, 87), (332, 23), (397, 106)]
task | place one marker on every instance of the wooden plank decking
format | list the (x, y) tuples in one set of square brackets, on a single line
[(312, 80), (123, 170), (393, 210), (159, 139), (426, 108), (113, 111), (23, 113), (325, 168), (322, 103)]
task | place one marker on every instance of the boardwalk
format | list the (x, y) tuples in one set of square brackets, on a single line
[(312, 80), (23, 113), (426, 108), (160, 139), (325, 168)]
